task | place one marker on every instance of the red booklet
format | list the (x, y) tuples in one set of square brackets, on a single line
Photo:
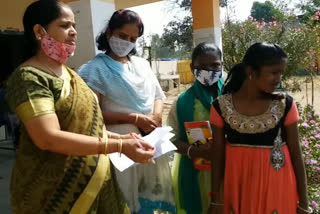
[(199, 133)]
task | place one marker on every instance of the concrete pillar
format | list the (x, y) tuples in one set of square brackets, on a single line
[(91, 18), (85, 44), (206, 22)]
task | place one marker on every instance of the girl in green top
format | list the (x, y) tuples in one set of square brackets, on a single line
[(191, 186)]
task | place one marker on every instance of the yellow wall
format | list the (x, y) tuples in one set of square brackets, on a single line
[(203, 11), (11, 13), (120, 4), (205, 14)]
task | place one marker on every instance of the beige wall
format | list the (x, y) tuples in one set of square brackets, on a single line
[(11, 12)]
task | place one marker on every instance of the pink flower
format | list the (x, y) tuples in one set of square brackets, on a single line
[(312, 121), (315, 205), (318, 136), (313, 162), (306, 125), (305, 143)]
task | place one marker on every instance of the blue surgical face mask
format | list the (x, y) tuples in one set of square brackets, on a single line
[(208, 77)]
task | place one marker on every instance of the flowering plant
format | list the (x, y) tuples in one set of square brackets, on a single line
[(301, 42), (309, 132)]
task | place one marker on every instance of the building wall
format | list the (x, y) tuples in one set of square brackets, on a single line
[(102, 10), (11, 13), (164, 67), (85, 50), (91, 18)]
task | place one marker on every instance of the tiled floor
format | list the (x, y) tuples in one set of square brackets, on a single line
[(6, 162)]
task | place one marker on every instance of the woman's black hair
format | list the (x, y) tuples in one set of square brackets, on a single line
[(117, 21), (205, 48), (257, 56), (41, 12)]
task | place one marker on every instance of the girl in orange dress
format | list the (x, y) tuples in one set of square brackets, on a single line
[(256, 151)]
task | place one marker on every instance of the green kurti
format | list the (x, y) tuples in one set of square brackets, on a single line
[(204, 177), (48, 182)]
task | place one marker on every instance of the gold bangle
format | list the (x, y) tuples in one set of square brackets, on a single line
[(136, 120), (304, 210), (106, 145), (216, 204), (120, 147), (100, 151), (188, 152), (115, 135)]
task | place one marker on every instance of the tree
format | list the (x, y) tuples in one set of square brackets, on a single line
[(185, 4), (308, 8), (263, 11), (178, 33), (223, 3), (311, 6), (300, 41), (159, 50)]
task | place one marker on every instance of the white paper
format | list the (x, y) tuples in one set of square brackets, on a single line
[(159, 138), (196, 134)]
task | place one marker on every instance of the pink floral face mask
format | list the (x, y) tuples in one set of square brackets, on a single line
[(57, 51)]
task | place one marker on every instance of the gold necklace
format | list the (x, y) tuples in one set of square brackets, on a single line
[(50, 70)]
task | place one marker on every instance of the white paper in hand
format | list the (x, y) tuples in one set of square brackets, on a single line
[(159, 138)]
